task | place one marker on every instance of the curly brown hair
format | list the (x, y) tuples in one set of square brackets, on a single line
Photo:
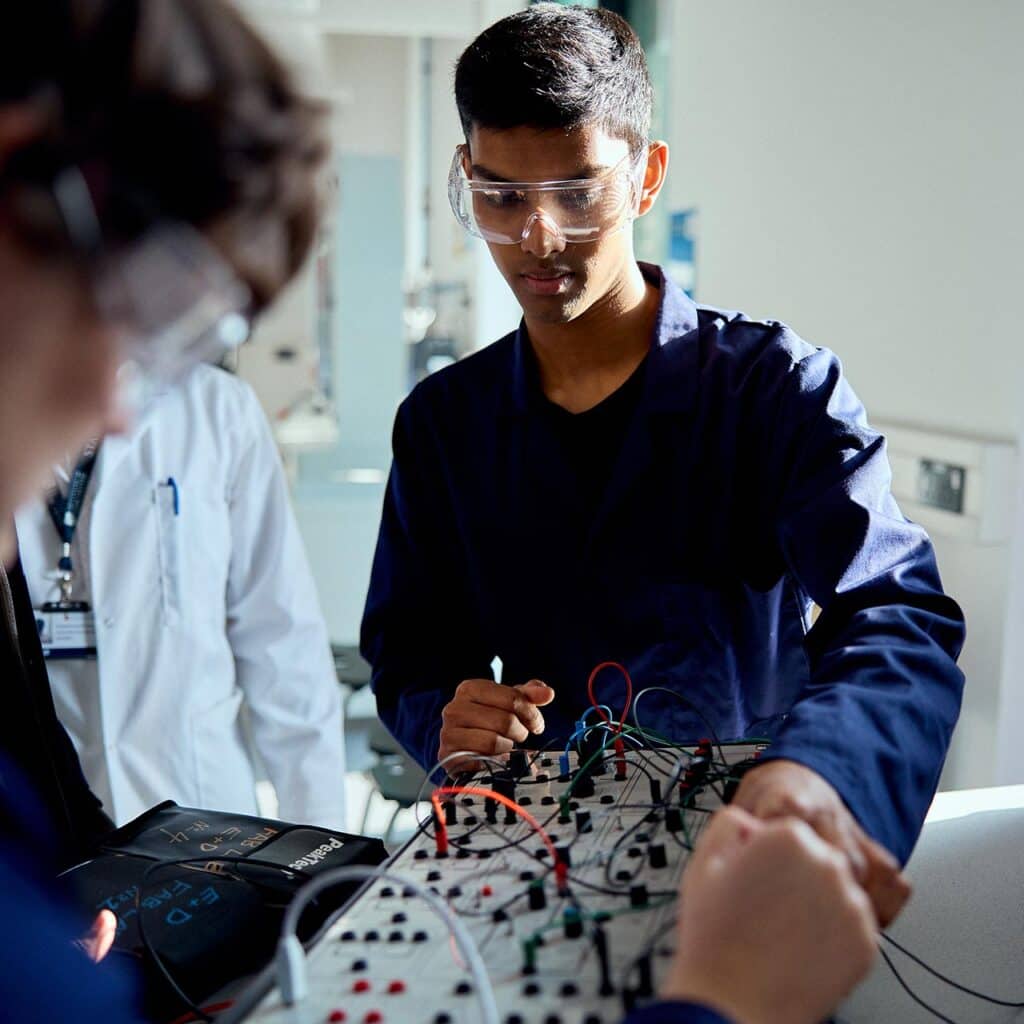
[(171, 110)]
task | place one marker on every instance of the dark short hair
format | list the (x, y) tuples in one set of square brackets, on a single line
[(171, 110), (558, 67)]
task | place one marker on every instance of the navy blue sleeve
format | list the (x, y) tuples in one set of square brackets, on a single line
[(675, 1013), (884, 692), (44, 976), (418, 629)]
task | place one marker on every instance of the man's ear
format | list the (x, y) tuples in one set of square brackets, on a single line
[(654, 175), (20, 123)]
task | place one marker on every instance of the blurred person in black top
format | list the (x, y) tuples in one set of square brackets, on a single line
[(157, 189)]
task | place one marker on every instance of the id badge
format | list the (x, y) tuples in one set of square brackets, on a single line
[(66, 630)]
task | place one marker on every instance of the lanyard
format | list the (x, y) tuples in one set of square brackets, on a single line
[(64, 511)]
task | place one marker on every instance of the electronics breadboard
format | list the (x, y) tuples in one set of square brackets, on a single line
[(579, 947)]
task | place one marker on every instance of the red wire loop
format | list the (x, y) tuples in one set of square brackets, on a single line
[(629, 692)]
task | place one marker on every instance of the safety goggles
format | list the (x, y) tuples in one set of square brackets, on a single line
[(576, 210), (174, 300)]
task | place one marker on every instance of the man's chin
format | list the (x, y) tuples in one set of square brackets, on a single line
[(554, 309)]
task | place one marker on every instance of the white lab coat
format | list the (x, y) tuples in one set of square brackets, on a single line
[(197, 614)]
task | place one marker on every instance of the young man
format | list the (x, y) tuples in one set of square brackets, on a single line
[(632, 477)]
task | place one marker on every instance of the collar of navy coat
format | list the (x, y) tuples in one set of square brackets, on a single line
[(669, 395), (672, 381)]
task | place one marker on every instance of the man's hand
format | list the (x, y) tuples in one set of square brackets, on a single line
[(96, 945), (785, 789), (487, 718), (773, 927)]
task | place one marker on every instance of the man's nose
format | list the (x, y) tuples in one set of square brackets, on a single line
[(542, 236)]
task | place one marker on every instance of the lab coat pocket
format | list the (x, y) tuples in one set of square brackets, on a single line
[(165, 498)]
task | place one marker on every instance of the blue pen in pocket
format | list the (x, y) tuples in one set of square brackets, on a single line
[(167, 497)]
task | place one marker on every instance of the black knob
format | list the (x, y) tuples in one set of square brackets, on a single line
[(674, 820), (638, 895), (504, 784), (518, 763), (583, 822), (538, 898), (359, 965), (646, 985), (584, 786), (659, 858)]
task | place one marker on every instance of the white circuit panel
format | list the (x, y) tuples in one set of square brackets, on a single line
[(390, 959)]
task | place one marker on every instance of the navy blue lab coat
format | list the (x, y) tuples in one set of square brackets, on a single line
[(748, 487)]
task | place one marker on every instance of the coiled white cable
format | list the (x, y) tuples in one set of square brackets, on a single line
[(291, 958)]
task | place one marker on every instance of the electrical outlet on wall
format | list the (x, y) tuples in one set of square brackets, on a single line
[(941, 485)]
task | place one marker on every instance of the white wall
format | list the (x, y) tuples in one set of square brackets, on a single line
[(857, 168)]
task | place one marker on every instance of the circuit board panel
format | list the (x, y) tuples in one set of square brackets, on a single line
[(579, 953)]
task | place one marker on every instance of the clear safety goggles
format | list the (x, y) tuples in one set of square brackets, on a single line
[(174, 300), (576, 210)]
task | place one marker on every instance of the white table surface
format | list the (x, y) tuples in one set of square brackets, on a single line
[(966, 917)]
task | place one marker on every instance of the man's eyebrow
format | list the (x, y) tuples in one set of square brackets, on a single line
[(486, 174)]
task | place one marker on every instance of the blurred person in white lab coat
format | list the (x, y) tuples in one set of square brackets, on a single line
[(188, 606)]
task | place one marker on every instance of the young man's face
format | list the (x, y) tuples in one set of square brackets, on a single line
[(554, 281), (58, 371)]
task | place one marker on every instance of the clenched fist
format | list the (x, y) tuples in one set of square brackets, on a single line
[(485, 717)]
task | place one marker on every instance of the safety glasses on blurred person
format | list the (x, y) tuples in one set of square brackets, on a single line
[(172, 297), (576, 210)]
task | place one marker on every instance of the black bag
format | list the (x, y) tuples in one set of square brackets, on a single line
[(194, 929)]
